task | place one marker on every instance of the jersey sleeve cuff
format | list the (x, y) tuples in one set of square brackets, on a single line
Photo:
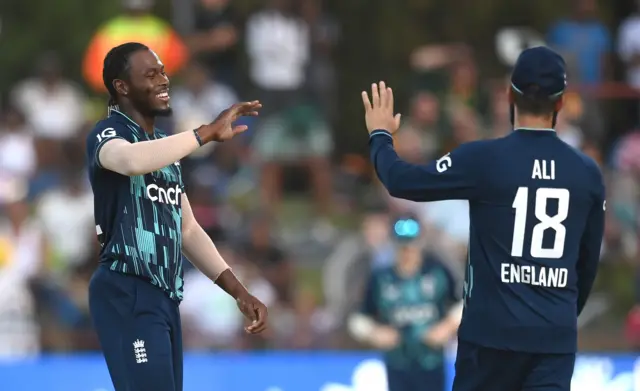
[(380, 132), (99, 148)]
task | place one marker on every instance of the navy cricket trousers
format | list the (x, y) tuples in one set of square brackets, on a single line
[(484, 369), (416, 379), (139, 330)]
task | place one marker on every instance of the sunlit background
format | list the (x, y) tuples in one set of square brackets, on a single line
[(294, 205)]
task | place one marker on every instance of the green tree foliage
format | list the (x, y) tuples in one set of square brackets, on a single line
[(66, 26)]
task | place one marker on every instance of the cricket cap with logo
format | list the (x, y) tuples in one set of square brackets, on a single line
[(539, 73)]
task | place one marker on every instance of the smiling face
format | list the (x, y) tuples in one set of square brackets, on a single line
[(147, 86)]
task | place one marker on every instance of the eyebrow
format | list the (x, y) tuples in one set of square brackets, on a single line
[(154, 68)]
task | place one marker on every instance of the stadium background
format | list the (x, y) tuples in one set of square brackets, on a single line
[(293, 205)]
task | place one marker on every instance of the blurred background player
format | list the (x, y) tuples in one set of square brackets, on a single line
[(536, 230), (410, 311)]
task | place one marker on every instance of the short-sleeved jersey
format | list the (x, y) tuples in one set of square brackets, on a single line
[(138, 218), (536, 209), (411, 305)]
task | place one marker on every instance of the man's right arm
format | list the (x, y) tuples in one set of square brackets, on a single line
[(140, 158), (363, 325), (590, 245), (452, 177), (112, 151)]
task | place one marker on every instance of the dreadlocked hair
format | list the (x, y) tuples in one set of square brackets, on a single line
[(116, 66)]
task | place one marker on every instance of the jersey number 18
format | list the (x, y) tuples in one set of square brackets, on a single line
[(543, 195)]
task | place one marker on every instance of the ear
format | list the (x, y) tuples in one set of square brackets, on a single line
[(121, 87), (559, 104)]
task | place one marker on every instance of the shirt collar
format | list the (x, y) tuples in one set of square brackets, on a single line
[(114, 111), (537, 129)]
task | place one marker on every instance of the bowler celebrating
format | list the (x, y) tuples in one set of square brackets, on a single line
[(144, 224)]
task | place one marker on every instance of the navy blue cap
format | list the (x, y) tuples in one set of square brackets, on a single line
[(539, 72)]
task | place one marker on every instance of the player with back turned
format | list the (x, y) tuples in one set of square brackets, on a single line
[(536, 225), (144, 224)]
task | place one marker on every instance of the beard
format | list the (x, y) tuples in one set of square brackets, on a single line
[(162, 112)]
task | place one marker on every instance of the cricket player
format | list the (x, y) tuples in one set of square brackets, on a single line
[(536, 224), (144, 224), (411, 309)]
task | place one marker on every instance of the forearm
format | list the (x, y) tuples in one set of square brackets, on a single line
[(203, 254), (144, 157), (363, 328), (447, 328), (401, 179)]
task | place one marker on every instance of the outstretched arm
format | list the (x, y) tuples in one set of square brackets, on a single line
[(590, 245), (117, 154), (453, 176), (450, 177)]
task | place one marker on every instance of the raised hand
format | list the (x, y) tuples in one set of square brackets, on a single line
[(222, 129), (378, 112)]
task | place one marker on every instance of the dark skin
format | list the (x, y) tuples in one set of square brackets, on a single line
[(140, 97)]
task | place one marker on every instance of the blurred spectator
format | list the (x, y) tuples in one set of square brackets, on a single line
[(625, 190), (207, 210), (278, 46), (22, 257), (199, 100), (629, 52), (262, 250), (629, 46), (419, 136), (432, 62), (465, 90), (584, 41), (466, 126), (210, 317), (500, 116), (138, 24), (322, 74), (17, 149), (354, 257), (53, 106), (304, 326), (297, 137), (568, 131), (69, 206), (214, 39), (450, 72)]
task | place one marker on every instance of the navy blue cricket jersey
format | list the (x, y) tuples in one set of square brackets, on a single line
[(411, 305), (536, 210), (138, 218)]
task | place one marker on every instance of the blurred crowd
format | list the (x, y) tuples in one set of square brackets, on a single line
[(301, 226)]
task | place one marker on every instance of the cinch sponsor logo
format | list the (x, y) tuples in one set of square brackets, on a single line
[(164, 196)]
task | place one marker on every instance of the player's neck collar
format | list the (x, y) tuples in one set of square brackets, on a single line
[(536, 129), (118, 112)]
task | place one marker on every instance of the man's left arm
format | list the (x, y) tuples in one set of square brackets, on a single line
[(453, 176), (198, 247), (445, 330), (590, 247)]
